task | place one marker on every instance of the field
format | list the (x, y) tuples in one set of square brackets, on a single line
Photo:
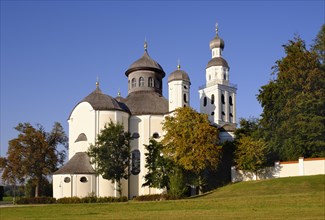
[(285, 198)]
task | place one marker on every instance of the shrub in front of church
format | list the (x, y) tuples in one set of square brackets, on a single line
[(91, 199), (35, 200), (157, 197)]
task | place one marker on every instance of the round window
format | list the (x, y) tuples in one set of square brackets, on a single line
[(67, 179), (155, 135), (83, 179)]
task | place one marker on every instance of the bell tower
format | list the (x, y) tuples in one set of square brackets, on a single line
[(218, 95), (178, 89)]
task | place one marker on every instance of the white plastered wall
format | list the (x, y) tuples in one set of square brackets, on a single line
[(145, 126), (176, 93), (84, 119), (74, 187)]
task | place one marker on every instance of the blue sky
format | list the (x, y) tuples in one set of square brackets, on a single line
[(53, 51)]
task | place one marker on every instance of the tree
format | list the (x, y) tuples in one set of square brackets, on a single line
[(319, 46), (250, 154), (247, 127), (33, 155), (190, 141), (111, 154), (293, 118), (158, 166)]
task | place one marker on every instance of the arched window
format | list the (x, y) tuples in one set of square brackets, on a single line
[(134, 83), (157, 84), (212, 99), (81, 137), (230, 100), (205, 101), (135, 166), (185, 98), (151, 82), (141, 82), (129, 84), (222, 99)]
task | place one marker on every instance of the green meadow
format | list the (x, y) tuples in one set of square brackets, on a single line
[(284, 198)]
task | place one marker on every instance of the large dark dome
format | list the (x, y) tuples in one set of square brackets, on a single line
[(145, 102), (145, 63), (99, 101)]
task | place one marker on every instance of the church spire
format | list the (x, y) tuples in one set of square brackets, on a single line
[(217, 28), (178, 64), (97, 82), (145, 45)]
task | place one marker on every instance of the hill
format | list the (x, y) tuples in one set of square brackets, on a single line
[(284, 198)]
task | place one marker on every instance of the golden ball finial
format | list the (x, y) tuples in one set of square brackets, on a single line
[(178, 64)]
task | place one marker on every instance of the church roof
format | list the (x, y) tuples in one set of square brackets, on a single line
[(179, 75), (228, 127), (146, 102), (78, 164), (217, 61), (217, 42), (145, 63), (100, 101)]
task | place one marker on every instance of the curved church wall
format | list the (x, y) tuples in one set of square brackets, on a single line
[(69, 185), (89, 122), (145, 126)]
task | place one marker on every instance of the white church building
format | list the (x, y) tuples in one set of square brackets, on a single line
[(141, 114)]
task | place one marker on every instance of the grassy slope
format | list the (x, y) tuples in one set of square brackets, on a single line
[(285, 198)]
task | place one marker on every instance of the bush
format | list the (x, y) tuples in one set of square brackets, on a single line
[(36, 200), (91, 199), (157, 197)]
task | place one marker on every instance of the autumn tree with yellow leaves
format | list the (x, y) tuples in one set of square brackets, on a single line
[(191, 141)]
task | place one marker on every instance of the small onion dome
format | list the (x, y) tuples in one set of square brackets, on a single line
[(99, 101), (217, 61), (145, 63), (179, 75), (217, 43)]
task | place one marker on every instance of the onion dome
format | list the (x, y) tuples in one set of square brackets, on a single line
[(217, 42), (217, 61), (145, 63), (179, 75), (78, 164), (99, 101)]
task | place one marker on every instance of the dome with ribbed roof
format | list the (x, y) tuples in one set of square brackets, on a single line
[(146, 102), (100, 101), (217, 61), (179, 75), (78, 164), (145, 63), (217, 42)]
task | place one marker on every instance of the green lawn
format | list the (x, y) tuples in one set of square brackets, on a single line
[(285, 198)]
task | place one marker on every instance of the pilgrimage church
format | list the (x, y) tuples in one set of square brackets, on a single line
[(141, 112)]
